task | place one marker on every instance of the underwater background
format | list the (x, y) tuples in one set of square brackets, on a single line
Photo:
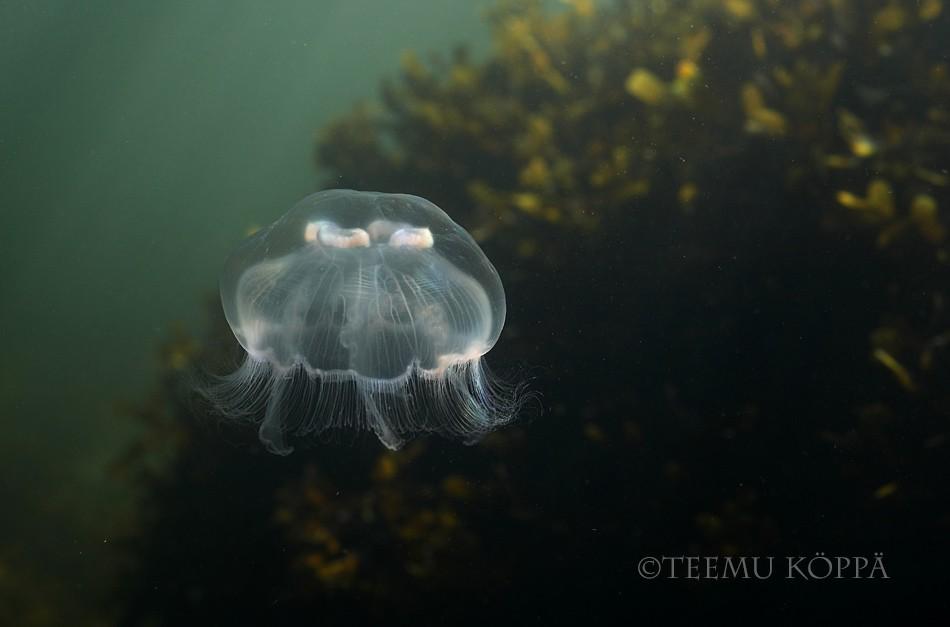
[(722, 230)]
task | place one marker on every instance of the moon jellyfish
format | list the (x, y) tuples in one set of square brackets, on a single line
[(364, 311)]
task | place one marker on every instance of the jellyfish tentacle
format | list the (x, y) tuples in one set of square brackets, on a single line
[(379, 424), (271, 432)]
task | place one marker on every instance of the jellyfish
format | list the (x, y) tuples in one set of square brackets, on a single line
[(363, 311)]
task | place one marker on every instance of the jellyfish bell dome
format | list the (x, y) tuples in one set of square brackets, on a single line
[(364, 310), (366, 284)]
